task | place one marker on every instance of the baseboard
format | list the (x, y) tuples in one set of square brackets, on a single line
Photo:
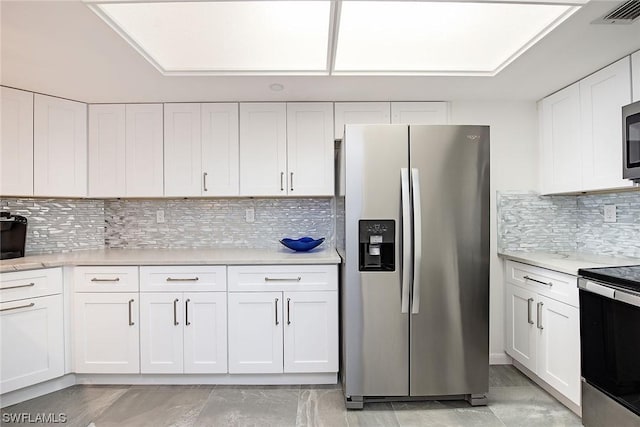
[(221, 379), (500, 359), (37, 390)]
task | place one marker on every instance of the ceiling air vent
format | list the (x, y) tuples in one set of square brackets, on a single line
[(625, 13)]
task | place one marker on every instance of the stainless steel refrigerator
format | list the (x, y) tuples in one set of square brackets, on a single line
[(415, 275)]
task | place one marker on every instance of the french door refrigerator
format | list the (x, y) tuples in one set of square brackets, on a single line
[(415, 275)]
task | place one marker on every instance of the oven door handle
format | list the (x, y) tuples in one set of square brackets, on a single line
[(627, 298), (589, 286)]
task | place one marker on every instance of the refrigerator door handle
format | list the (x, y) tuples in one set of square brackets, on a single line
[(406, 239), (417, 239)]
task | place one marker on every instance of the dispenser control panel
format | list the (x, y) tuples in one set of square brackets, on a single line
[(377, 245)]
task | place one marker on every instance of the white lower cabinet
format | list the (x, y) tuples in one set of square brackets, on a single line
[(107, 333), (290, 332), (543, 333), (32, 347), (183, 332)]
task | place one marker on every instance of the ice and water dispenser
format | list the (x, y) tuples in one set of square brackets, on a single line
[(377, 245)]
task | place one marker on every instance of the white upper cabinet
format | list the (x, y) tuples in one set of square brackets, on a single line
[(59, 147), (220, 149), (635, 73), (310, 157), (263, 149), (602, 96), (16, 143), (182, 150), (107, 150), (201, 149), (144, 152), (561, 150), (420, 113), (360, 113)]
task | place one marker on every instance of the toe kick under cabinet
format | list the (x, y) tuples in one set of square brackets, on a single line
[(543, 325), (283, 319)]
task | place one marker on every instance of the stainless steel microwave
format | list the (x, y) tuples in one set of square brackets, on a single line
[(631, 142)]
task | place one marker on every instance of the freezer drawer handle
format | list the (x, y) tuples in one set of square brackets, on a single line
[(277, 323), (529, 301), (131, 323), (540, 304), (20, 306), (175, 312), (28, 285), (192, 279), (538, 281), (284, 279), (95, 279), (406, 240)]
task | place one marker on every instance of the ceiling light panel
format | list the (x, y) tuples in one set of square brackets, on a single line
[(228, 36), (398, 37)]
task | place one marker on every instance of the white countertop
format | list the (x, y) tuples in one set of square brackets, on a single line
[(568, 263), (172, 257)]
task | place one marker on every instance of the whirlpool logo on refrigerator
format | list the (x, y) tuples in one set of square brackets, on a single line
[(473, 138)]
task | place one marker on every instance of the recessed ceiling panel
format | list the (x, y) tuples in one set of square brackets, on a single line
[(398, 37), (226, 36)]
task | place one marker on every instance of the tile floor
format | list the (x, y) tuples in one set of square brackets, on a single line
[(513, 401)]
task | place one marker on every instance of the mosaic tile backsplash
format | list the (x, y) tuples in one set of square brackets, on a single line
[(530, 222), (221, 223), (60, 225)]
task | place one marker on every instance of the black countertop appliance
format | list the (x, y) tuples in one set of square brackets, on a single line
[(13, 234)]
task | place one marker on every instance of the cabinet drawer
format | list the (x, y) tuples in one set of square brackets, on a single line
[(283, 278), (559, 286), (29, 284), (105, 279), (183, 278)]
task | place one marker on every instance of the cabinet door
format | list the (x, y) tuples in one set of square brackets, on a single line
[(311, 331), (310, 157), (419, 113), (182, 150), (32, 347), (559, 347), (16, 142), (521, 325), (144, 163), (255, 332), (59, 147), (220, 150), (561, 149), (107, 150), (360, 113), (602, 96), (205, 333), (107, 333), (263, 149), (635, 75), (161, 333)]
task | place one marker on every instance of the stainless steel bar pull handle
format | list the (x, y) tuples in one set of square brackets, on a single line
[(288, 311), (529, 301), (189, 279), (186, 312), (281, 181), (175, 312), (538, 281), (540, 304), (291, 181), (95, 279), (20, 306), (204, 181), (18, 286), (131, 323), (282, 279), (417, 242), (406, 240), (277, 323)]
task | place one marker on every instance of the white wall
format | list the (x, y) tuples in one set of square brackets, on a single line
[(514, 134)]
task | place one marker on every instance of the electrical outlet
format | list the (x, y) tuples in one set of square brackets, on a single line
[(610, 213), (160, 216), (250, 215)]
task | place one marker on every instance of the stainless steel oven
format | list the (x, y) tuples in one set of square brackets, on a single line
[(631, 142), (610, 346)]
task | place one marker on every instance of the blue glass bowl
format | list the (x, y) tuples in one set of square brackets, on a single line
[(302, 244)]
